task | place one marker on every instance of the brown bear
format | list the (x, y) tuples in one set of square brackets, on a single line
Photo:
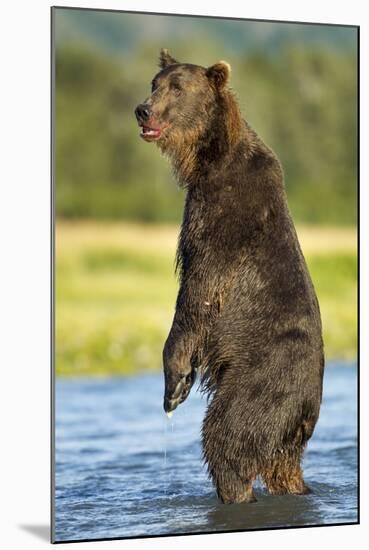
[(247, 317)]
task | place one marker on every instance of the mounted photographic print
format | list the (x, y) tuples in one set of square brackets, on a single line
[(205, 202)]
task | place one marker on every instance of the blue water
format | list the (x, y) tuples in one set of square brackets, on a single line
[(123, 469)]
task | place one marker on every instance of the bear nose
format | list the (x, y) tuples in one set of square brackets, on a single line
[(142, 112)]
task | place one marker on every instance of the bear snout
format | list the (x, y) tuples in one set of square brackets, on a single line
[(143, 113)]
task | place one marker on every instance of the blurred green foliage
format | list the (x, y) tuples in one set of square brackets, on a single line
[(302, 102)]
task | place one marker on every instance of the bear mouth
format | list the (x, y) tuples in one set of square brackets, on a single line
[(150, 134)]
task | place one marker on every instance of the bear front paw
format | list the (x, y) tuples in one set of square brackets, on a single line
[(177, 390)]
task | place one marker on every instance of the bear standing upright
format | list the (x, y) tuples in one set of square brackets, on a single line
[(247, 317)]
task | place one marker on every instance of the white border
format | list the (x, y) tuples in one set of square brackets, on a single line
[(25, 245)]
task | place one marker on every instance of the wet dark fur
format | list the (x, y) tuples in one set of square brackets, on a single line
[(247, 316)]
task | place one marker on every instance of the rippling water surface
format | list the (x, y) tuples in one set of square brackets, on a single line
[(123, 469)]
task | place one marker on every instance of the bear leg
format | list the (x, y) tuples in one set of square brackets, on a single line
[(284, 476), (231, 489), (231, 474)]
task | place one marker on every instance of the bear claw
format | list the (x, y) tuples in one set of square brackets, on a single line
[(180, 393)]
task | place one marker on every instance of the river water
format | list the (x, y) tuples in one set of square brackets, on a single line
[(123, 469)]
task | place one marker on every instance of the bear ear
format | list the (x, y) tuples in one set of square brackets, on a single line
[(165, 59), (219, 74)]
